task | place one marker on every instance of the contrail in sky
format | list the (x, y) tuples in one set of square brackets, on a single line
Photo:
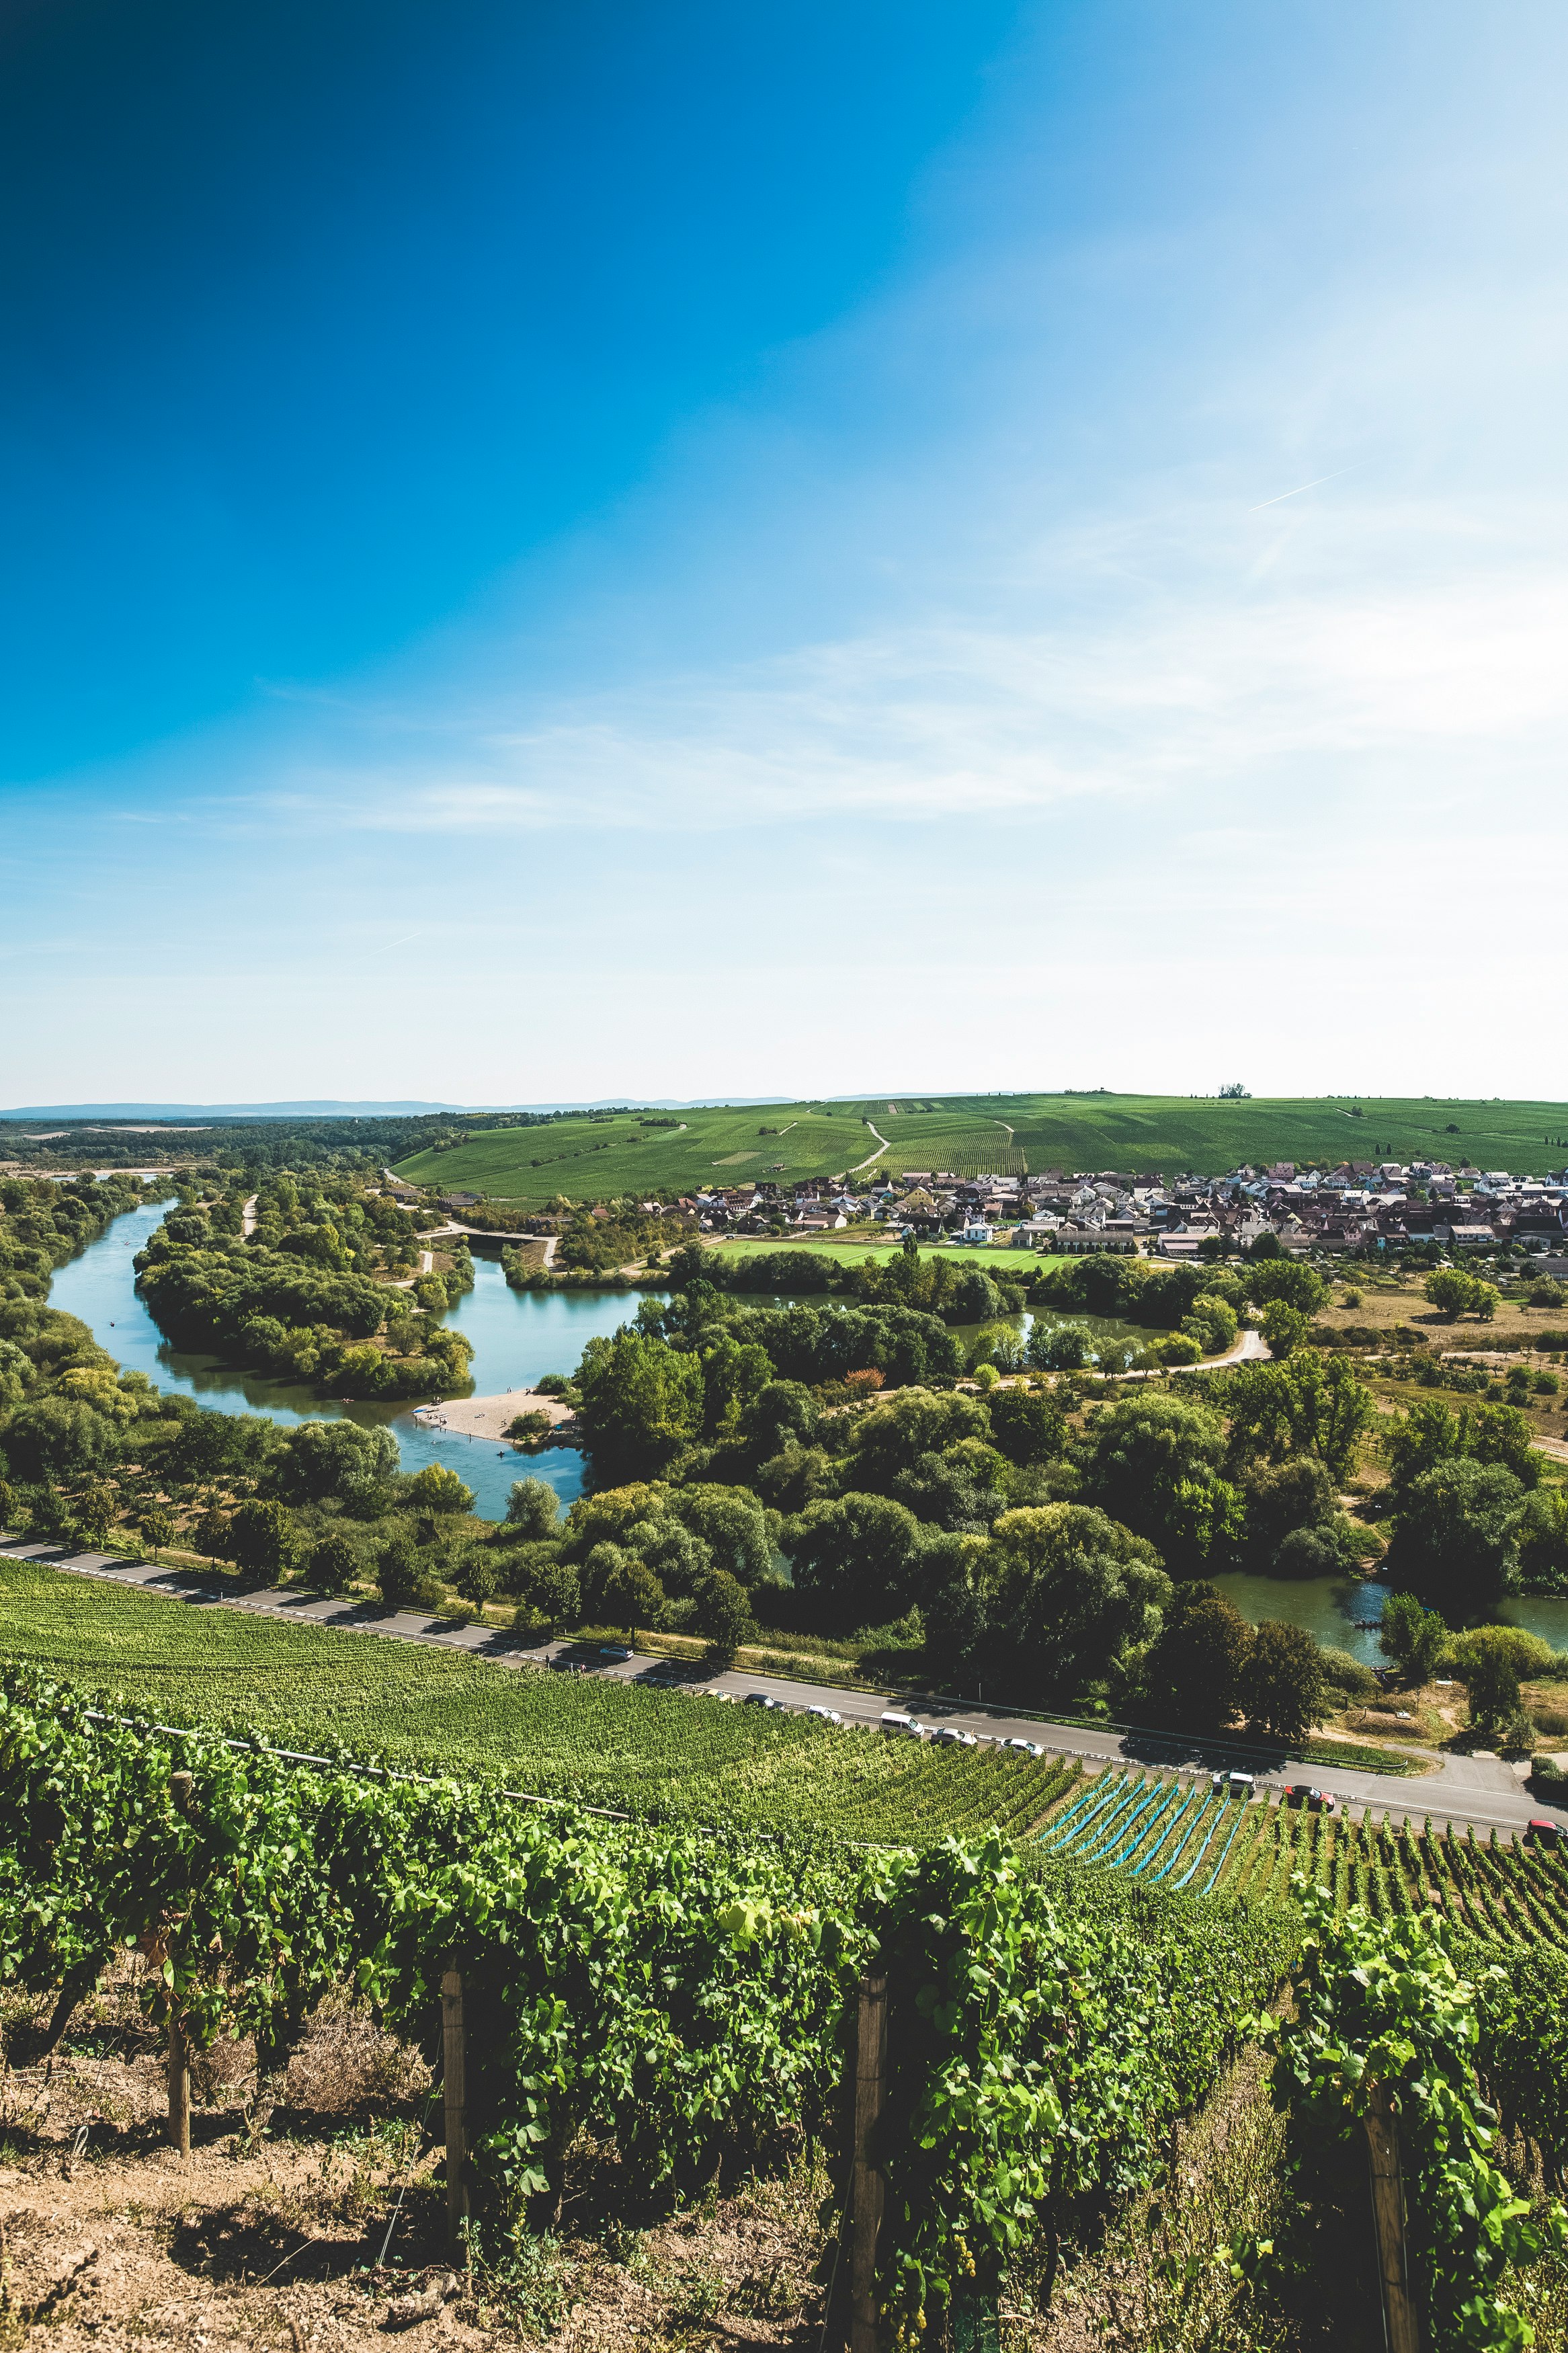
[(1306, 486)]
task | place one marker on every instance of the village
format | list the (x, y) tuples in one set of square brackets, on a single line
[(1358, 1207)]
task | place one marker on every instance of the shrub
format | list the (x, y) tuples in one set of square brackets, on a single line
[(1308, 1552), (528, 1429), (1178, 1348), (533, 1507), (437, 1489), (156, 1527), (1347, 1675)]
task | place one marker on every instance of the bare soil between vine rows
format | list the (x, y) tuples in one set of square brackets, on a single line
[(271, 2235)]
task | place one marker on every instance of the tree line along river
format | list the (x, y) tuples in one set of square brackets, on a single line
[(519, 1335)]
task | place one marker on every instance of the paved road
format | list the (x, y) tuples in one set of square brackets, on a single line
[(1481, 1792)]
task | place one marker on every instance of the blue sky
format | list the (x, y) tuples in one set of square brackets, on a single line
[(618, 551)]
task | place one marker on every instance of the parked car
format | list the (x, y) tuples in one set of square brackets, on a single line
[(908, 1727), (952, 1737), (1540, 1832), (825, 1714), (1024, 1748), (1234, 1785), (616, 1651), (762, 1699), (1317, 1801)]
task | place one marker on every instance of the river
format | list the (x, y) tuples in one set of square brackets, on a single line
[(517, 1335)]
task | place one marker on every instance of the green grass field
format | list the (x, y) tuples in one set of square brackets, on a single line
[(611, 1744), (591, 1156), (853, 1253)]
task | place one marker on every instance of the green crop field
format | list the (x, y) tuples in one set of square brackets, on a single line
[(853, 1253), (591, 1156), (1164, 1833), (610, 1742)]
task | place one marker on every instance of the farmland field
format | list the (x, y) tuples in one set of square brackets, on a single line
[(847, 1252), (591, 1155), (437, 1711), (1166, 1833)]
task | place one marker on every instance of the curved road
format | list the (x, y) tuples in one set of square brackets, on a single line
[(1482, 1793)]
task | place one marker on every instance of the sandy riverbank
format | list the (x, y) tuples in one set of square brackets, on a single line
[(488, 1417)]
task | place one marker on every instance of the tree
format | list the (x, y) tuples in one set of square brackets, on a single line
[(1212, 1322), (1193, 1673), (897, 1434), (550, 1594), (631, 1596), (1309, 1552), (1486, 1663), (478, 1576), (8, 1504), (437, 1489), (723, 1613), (404, 1577), (859, 1557), (642, 1404), (334, 1563), (732, 1525), (1455, 1539), (1543, 1543), (156, 1527), (1284, 1327), (781, 1412), (1311, 1404), (1056, 1348), (533, 1507), (263, 1539), (1153, 1462), (59, 1438), (1281, 1682), (1411, 1638), (1501, 1433), (1070, 1592), (1291, 1280), (210, 1536), (1280, 1497), (323, 1458), (1416, 1441), (94, 1513), (1026, 1426)]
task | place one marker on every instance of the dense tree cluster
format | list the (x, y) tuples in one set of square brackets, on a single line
[(324, 1289)]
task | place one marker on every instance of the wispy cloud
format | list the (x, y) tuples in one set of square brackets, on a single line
[(1317, 683)]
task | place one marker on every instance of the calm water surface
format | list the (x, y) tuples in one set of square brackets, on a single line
[(516, 1335), (1345, 1613)]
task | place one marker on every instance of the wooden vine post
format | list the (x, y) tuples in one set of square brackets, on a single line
[(454, 2096), (1401, 2320), (183, 1791), (867, 2186)]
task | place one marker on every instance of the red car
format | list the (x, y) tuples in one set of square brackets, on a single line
[(1317, 1801), (1539, 1831)]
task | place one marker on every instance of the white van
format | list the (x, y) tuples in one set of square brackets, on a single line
[(894, 1720)]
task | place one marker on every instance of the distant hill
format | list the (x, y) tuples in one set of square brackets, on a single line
[(329, 1108), (595, 1156)]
